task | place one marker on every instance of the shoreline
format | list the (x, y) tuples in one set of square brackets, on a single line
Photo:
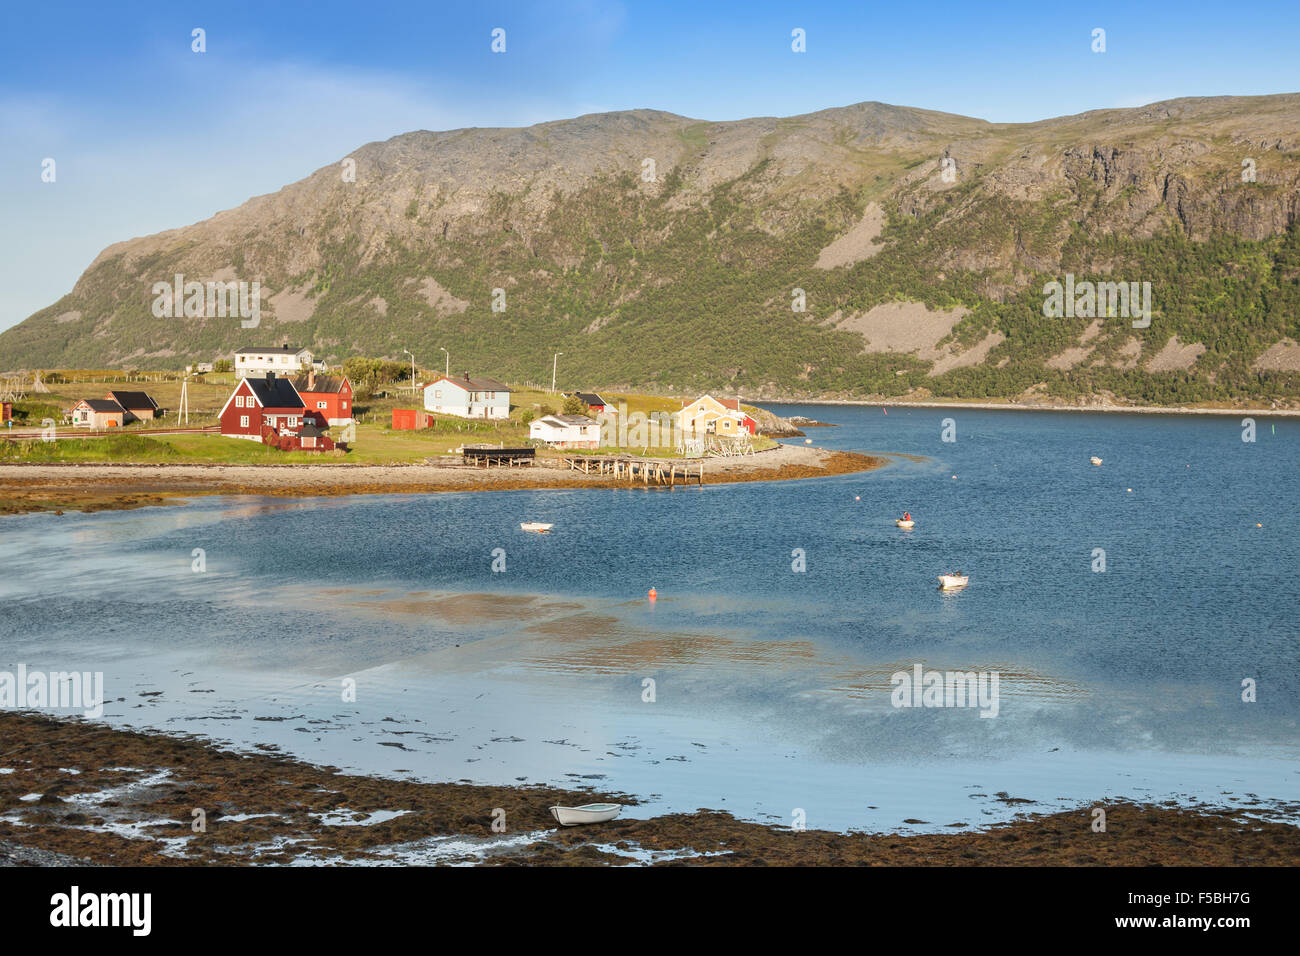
[(80, 792), (1014, 407), (101, 486)]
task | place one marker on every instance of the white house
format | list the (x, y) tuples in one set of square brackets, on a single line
[(285, 361), (467, 397), (566, 431)]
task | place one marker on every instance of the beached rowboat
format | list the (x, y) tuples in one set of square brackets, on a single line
[(537, 526), (953, 582), (589, 813), (903, 524)]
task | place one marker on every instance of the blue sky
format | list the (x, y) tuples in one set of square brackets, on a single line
[(148, 135)]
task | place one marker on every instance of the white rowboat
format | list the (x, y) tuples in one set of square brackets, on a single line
[(903, 524), (589, 813), (953, 582), (537, 526)]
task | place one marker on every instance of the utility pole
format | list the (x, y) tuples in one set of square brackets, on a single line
[(447, 371), (554, 364), (412, 354), (184, 408)]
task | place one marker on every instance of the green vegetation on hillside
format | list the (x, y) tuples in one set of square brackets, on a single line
[(685, 289)]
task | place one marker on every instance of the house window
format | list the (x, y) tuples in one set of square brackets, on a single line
[(239, 401), (243, 421), (345, 406), (293, 421), (320, 404)]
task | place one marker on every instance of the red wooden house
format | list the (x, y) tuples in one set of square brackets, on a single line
[(260, 402), (328, 397)]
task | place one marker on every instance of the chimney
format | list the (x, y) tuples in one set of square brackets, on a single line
[(311, 379), (270, 376), (467, 376), (285, 346)]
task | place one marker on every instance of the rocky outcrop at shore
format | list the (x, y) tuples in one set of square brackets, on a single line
[(773, 426)]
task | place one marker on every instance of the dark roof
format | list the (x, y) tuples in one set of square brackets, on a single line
[(275, 392), (475, 384), (133, 400), (310, 430), (324, 383), (274, 350), (103, 405), (591, 398)]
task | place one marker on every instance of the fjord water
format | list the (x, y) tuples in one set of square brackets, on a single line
[(770, 687)]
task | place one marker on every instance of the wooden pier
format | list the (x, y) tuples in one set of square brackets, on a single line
[(648, 471), (486, 455)]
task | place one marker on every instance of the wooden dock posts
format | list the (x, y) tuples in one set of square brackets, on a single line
[(486, 455), (649, 471)]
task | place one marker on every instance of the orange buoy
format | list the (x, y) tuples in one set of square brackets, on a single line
[(653, 594)]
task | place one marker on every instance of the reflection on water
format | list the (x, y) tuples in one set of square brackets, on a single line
[(748, 685)]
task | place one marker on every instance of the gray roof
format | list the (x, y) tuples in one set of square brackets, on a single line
[(139, 400), (273, 350), (324, 383), (275, 392), (570, 419), (103, 405), (477, 383)]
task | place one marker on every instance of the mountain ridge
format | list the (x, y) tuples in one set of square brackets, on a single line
[(686, 279)]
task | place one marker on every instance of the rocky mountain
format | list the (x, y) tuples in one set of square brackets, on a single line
[(864, 250)]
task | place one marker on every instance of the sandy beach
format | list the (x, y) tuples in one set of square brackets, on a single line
[(97, 487), (77, 792)]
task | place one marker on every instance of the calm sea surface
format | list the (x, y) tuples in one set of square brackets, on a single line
[(770, 687)]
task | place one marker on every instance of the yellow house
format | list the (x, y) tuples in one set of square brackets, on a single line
[(715, 416)]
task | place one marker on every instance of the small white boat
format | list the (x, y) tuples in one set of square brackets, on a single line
[(1095, 460), (536, 526), (953, 582), (903, 524), (589, 813)]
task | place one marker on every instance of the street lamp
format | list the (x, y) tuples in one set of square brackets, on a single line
[(554, 363), (412, 354), (447, 370)]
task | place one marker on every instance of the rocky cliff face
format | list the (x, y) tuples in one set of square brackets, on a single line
[(656, 250)]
